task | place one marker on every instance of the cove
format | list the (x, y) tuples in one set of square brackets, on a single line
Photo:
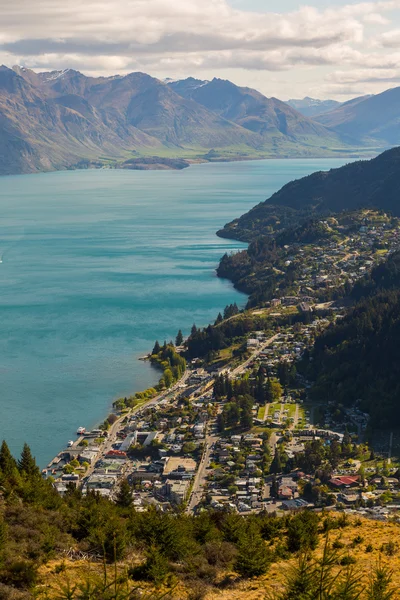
[(96, 265)]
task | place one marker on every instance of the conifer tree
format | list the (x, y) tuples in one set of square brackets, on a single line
[(27, 463), (8, 464), (253, 557), (219, 319), (193, 330), (380, 586), (124, 496), (179, 338), (156, 567), (157, 348), (276, 465)]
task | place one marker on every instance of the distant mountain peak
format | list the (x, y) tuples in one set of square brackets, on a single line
[(311, 107)]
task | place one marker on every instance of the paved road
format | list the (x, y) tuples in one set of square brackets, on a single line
[(112, 432), (201, 475), (255, 354)]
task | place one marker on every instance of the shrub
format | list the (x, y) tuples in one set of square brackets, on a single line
[(347, 560)]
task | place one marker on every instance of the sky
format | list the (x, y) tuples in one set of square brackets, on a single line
[(324, 49)]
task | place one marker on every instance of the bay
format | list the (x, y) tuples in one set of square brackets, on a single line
[(96, 265)]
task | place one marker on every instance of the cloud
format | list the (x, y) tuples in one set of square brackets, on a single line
[(186, 36)]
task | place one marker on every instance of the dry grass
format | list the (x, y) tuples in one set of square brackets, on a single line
[(370, 532)]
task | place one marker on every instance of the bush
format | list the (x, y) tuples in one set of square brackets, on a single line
[(220, 554), (337, 544), (347, 560), (20, 574), (358, 540), (369, 548), (155, 569), (389, 549)]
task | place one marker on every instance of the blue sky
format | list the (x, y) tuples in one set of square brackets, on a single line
[(327, 49)]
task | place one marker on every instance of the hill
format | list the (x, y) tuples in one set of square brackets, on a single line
[(311, 107), (369, 120), (373, 183), (357, 359), (39, 132), (63, 119), (250, 109)]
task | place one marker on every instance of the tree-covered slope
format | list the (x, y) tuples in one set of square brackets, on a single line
[(374, 183), (358, 358)]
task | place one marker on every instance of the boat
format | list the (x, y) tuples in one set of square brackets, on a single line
[(70, 443), (80, 430)]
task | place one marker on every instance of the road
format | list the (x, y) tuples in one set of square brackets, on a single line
[(201, 475), (255, 354), (112, 432)]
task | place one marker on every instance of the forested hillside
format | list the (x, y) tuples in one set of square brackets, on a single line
[(373, 183), (358, 358), (88, 548)]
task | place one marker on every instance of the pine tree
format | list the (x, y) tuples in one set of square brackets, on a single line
[(124, 496), (156, 567), (193, 331), (276, 465), (219, 319), (253, 557), (179, 339), (8, 464), (380, 586), (27, 463), (157, 348)]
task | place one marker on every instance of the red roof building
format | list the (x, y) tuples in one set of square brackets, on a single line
[(345, 481)]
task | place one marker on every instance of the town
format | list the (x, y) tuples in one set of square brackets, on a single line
[(239, 432)]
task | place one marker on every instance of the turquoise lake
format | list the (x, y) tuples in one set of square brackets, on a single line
[(96, 265)]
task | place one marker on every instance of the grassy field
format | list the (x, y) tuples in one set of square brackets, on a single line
[(261, 412)]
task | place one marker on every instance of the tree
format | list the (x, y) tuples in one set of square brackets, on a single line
[(8, 464), (26, 463), (193, 331), (253, 557), (156, 568), (179, 339), (303, 532), (157, 348), (380, 587), (246, 418), (276, 465), (168, 378), (124, 496)]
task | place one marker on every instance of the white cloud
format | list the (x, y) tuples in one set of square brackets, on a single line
[(186, 36)]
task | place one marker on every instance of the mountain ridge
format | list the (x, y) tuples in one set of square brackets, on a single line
[(372, 183), (64, 119)]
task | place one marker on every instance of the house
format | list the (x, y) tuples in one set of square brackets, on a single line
[(344, 481), (296, 504), (285, 493)]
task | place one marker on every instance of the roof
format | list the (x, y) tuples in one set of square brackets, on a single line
[(344, 480)]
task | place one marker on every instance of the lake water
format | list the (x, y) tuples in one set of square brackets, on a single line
[(96, 265)]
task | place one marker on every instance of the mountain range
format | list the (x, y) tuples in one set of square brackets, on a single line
[(64, 119), (311, 107)]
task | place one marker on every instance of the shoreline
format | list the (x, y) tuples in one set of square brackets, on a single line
[(122, 414), (190, 162)]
